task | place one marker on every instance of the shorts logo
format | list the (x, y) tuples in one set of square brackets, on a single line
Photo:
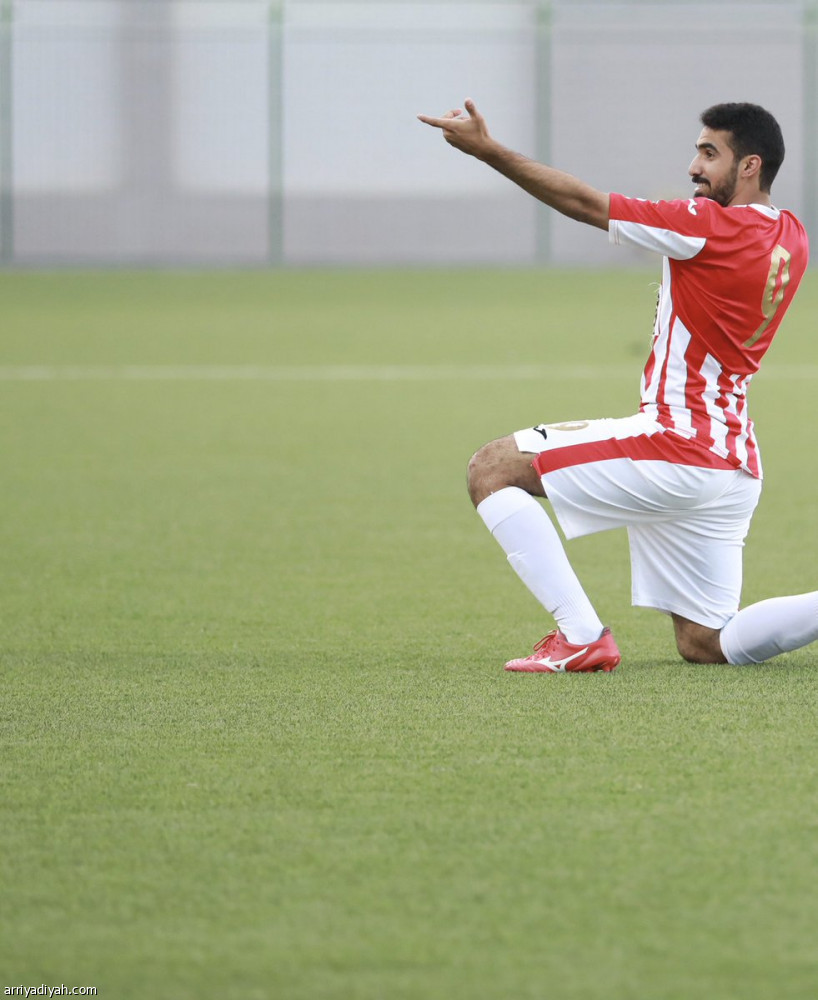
[(576, 425)]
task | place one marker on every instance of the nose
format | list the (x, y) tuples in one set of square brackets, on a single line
[(693, 169)]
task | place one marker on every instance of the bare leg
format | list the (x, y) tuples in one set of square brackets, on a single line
[(503, 486), (499, 464), (697, 643)]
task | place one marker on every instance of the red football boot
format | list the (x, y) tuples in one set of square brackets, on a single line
[(554, 654)]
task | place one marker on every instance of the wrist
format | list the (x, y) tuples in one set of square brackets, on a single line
[(494, 153)]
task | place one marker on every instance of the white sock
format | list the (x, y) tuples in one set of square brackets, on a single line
[(536, 554), (764, 630)]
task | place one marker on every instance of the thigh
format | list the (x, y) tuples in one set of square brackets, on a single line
[(602, 474), (691, 566), (677, 570), (619, 492), (592, 484)]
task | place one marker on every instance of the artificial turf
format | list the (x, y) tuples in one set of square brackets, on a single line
[(257, 740)]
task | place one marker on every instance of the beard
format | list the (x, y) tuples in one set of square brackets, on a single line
[(723, 192)]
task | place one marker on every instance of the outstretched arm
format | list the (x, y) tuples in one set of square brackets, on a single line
[(561, 191)]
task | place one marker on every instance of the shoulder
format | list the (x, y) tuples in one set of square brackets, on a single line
[(677, 229), (779, 225), (783, 217), (623, 207), (700, 216), (683, 215)]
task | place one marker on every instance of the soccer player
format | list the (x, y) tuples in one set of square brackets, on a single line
[(683, 475)]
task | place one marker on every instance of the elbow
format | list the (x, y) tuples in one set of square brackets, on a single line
[(594, 210)]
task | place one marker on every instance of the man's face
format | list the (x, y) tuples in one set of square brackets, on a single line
[(715, 167)]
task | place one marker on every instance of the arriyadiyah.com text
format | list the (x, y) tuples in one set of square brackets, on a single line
[(50, 991)]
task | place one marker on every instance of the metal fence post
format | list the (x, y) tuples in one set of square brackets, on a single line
[(543, 119), (275, 120), (6, 133), (810, 98)]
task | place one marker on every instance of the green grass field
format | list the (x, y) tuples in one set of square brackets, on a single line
[(257, 738)]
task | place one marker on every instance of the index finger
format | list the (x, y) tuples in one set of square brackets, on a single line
[(444, 120)]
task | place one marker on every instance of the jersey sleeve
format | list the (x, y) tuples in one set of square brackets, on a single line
[(676, 229)]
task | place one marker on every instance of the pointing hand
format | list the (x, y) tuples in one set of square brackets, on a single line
[(467, 133)]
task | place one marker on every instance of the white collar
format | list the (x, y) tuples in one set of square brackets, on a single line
[(769, 210)]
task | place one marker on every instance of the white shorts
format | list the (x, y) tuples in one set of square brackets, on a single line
[(686, 524)]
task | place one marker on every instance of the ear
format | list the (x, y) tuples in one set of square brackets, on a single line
[(751, 166)]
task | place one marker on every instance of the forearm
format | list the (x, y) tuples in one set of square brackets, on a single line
[(558, 190), (561, 191)]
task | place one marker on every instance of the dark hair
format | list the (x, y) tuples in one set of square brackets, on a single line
[(753, 131)]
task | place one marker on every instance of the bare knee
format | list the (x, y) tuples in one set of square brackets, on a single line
[(697, 643), (499, 464)]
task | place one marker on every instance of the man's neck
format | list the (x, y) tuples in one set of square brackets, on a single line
[(751, 195)]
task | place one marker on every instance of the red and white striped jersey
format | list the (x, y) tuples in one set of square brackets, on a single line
[(729, 275)]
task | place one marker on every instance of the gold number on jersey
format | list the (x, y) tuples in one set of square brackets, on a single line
[(777, 281)]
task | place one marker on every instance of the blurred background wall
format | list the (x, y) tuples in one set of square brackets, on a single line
[(267, 132)]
